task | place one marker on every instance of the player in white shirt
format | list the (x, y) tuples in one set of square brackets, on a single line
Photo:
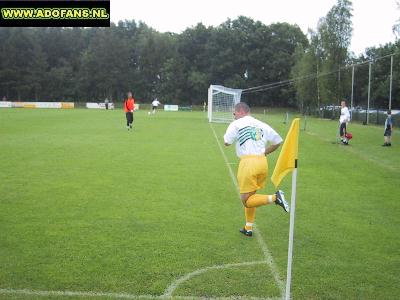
[(254, 141), (154, 105), (343, 120)]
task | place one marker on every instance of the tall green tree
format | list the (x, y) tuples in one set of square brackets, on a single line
[(335, 31), (305, 74), (23, 63)]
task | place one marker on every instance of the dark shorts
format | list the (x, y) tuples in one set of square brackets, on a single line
[(388, 132), (154, 107), (343, 129), (129, 117)]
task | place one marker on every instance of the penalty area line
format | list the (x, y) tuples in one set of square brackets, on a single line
[(267, 254)]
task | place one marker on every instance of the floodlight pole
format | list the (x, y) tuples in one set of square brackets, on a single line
[(318, 96), (391, 81), (369, 91), (352, 88)]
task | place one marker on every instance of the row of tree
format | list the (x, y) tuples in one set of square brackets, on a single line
[(91, 64), (82, 64), (337, 74)]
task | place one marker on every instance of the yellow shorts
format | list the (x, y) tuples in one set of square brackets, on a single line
[(252, 172)]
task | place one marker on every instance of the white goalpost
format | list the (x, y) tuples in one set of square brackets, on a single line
[(221, 102)]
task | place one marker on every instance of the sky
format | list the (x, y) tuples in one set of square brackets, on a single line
[(372, 20)]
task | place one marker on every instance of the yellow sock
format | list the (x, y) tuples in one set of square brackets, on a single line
[(250, 214), (257, 200)]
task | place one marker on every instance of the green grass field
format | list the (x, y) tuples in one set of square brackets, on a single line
[(90, 210)]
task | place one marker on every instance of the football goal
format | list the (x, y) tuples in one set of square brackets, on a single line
[(221, 102)]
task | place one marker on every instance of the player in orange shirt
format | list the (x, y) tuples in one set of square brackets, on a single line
[(129, 107)]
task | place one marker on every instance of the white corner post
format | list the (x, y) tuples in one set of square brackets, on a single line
[(291, 234)]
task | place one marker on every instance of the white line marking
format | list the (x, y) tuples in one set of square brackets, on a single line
[(358, 153), (270, 261), (170, 290), (28, 292), (263, 245), (76, 294), (172, 287)]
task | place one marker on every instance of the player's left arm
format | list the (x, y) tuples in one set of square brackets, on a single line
[(348, 115), (271, 148), (274, 139)]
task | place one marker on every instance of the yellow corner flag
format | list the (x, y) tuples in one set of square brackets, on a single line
[(289, 153)]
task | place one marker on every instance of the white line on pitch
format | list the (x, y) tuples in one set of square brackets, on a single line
[(359, 154), (263, 245), (28, 292), (75, 294), (170, 290)]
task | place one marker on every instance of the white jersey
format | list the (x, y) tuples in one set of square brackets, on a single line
[(155, 103), (251, 136), (344, 115)]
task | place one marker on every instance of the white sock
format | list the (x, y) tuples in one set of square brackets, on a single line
[(270, 199), (248, 224)]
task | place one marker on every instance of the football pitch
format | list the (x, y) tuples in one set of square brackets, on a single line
[(89, 210)]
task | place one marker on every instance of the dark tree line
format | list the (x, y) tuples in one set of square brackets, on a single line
[(91, 64)]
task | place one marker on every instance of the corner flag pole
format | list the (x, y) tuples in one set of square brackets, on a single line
[(291, 231), (287, 162)]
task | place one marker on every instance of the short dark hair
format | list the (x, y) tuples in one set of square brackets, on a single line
[(242, 106), (389, 112)]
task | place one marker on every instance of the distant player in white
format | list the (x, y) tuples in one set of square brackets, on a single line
[(154, 105), (343, 120), (251, 137)]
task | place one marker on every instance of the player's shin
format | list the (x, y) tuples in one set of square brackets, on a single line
[(250, 214), (257, 200)]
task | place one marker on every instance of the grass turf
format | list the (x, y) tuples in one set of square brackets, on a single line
[(88, 206)]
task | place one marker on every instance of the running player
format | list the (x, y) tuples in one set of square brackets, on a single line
[(154, 105), (251, 137)]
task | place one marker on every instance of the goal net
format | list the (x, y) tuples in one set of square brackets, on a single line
[(221, 102)]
